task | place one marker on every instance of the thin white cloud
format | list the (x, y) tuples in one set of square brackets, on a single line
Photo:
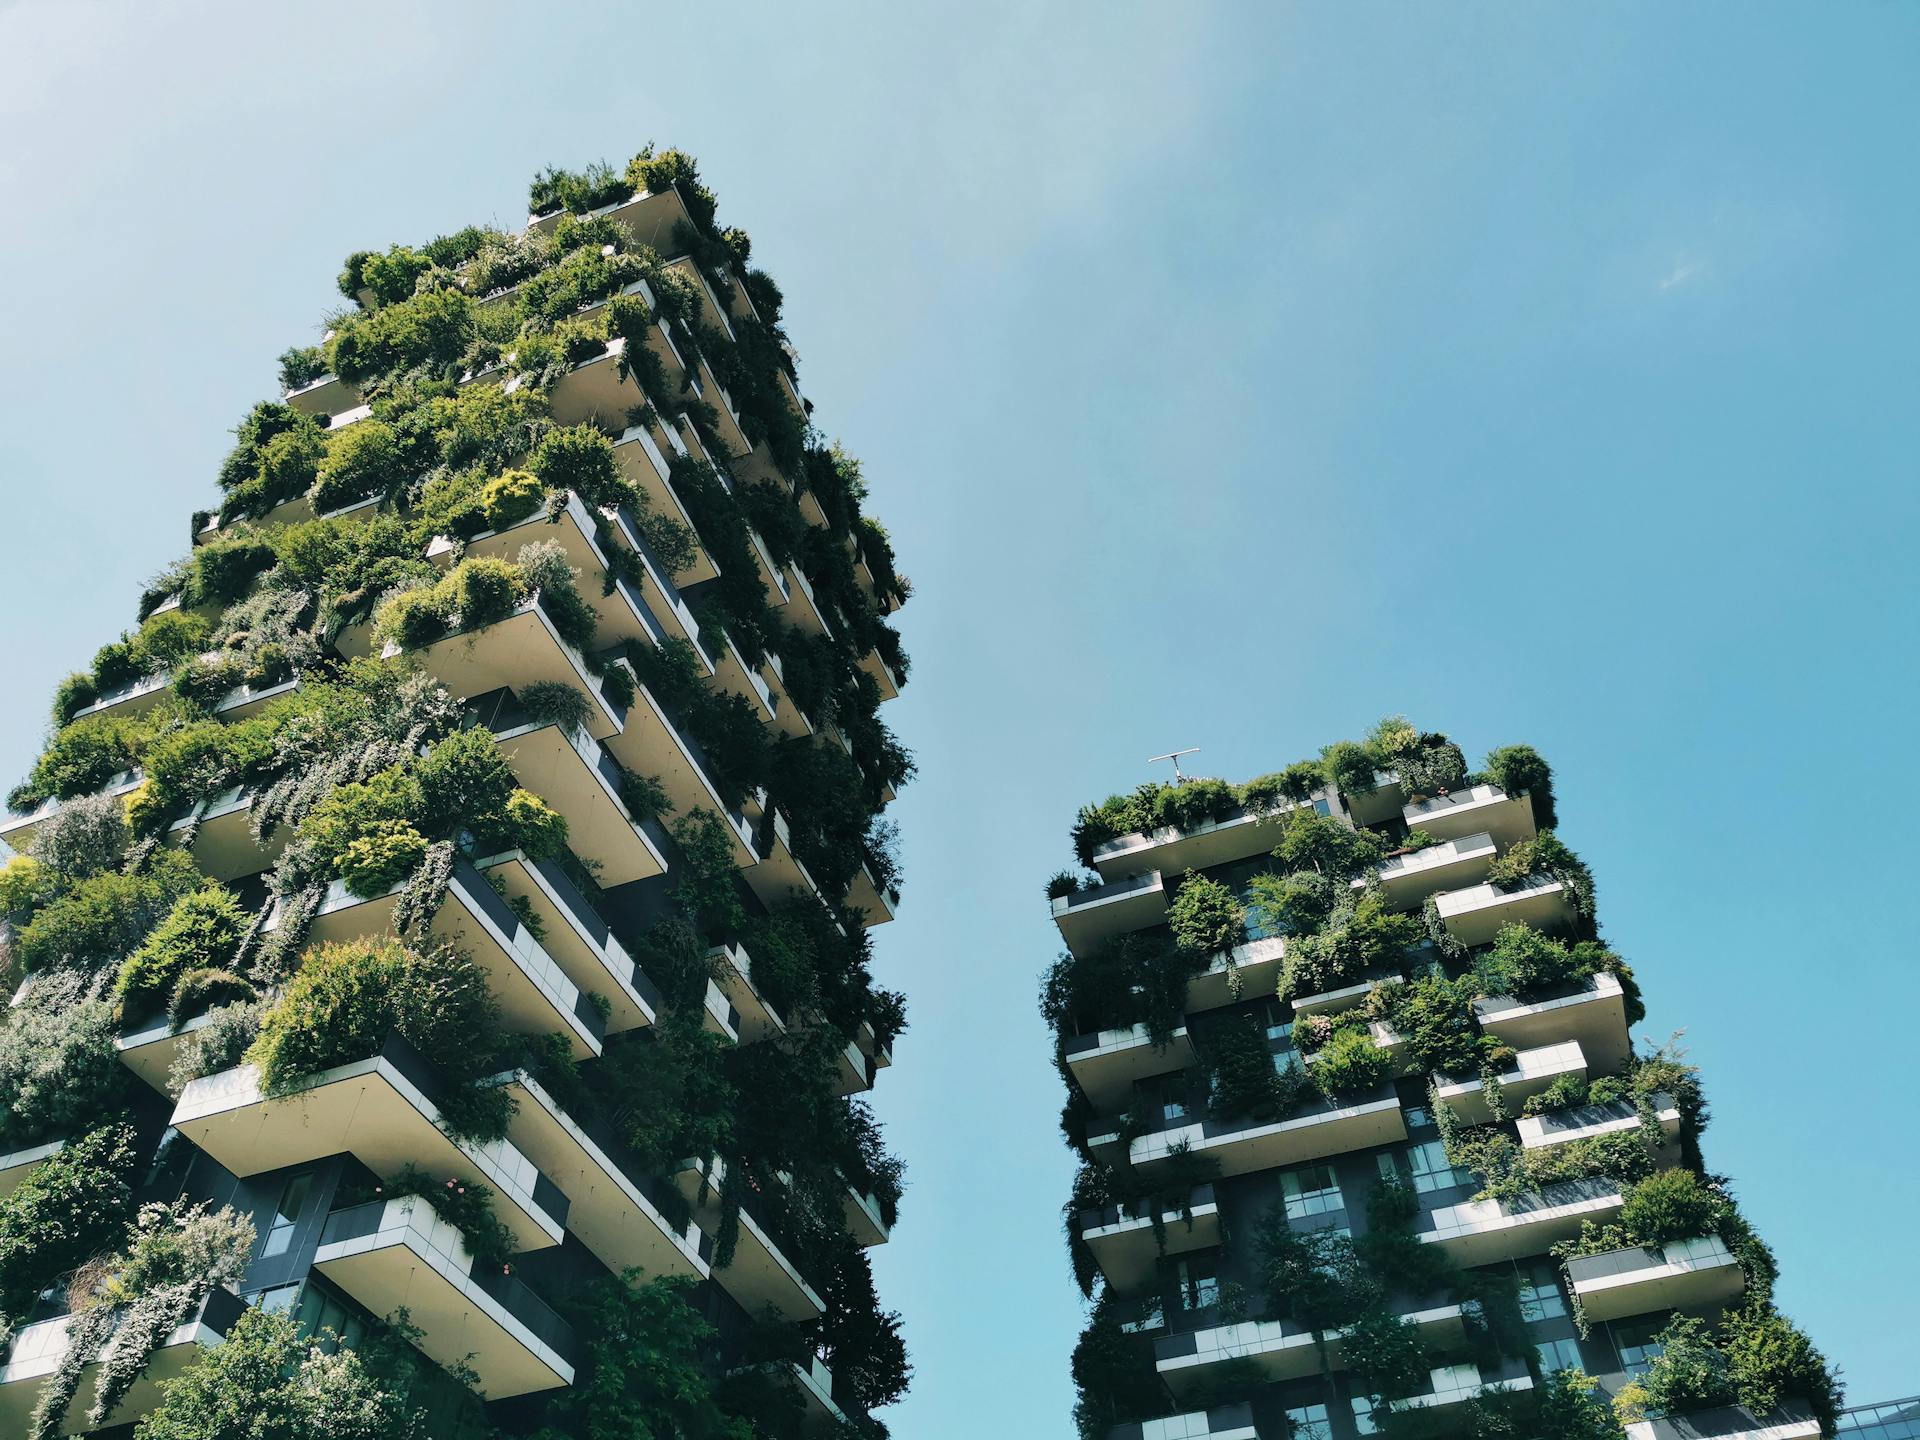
[(1684, 272)]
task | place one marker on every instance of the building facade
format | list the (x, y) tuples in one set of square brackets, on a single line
[(1366, 1147), (447, 908)]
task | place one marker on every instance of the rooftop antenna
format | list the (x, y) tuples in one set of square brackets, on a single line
[(1174, 756)]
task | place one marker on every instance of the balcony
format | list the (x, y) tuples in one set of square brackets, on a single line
[(1251, 969), (855, 1071), (1532, 1072), (396, 1254), (246, 701), (1125, 1245), (1791, 1421), (1215, 842), (39, 1349), (864, 1220), (614, 1205), (760, 1277), (1243, 1146), (718, 1015), (578, 940), (292, 512), (758, 1019), (777, 875), (1283, 1350), (654, 743), (619, 612), (575, 775), (890, 681), (1382, 802), (1104, 911), (510, 654), (18, 829), (678, 621), (649, 218), (1452, 1384), (1479, 1232), (1222, 1422), (1594, 1013), (1478, 809), (642, 464), (1684, 1275), (218, 833), (1106, 1063), (324, 395), (801, 607), (865, 894), (149, 1048), (1409, 879), (1341, 999), (1476, 914), (18, 1164), (136, 697), (1582, 1122), (381, 1110), (534, 993)]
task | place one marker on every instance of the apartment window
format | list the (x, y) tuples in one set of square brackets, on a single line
[(1639, 1346), (1152, 1316), (1173, 1099), (1310, 1190), (1540, 1297), (1199, 1285), (1419, 1117), (1431, 1171), (1389, 1172), (286, 1215), (1278, 1021), (1363, 1421), (1558, 1355), (1309, 1422)]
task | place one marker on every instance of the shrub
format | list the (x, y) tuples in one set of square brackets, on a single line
[(554, 702), (203, 929), (1434, 1016), (465, 1204), (103, 917), (1522, 960), (76, 692), (579, 459), (1519, 770), (643, 795), (463, 781), (202, 990), (381, 857), (86, 835), (62, 1213), (1769, 1359), (426, 332), (167, 639), (1670, 1205), (1348, 766), (360, 808), (224, 569), (300, 366), (389, 276), (1689, 1373), (59, 1069), (1298, 902), (509, 498), (1311, 841), (1205, 916), (534, 826), (1295, 784), (1386, 1355), (347, 998), (25, 886), (361, 461), (1350, 1064), (1062, 884)]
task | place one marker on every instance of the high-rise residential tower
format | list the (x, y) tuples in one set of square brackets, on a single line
[(1366, 1148), (438, 930)]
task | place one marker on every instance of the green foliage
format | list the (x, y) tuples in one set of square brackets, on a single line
[(509, 498), (1359, 940), (554, 702), (347, 998), (1205, 916), (1348, 766), (203, 929), (104, 917), (534, 826), (224, 569), (266, 1381), (300, 366), (1770, 1359), (1311, 841), (1386, 1355), (577, 191), (1063, 883), (423, 332), (1519, 770), (83, 837), (1434, 1016), (361, 461), (1314, 1278), (1671, 1205), (467, 1205), (1241, 1078), (1113, 1374), (59, 1069), (381, 856), (1351, 1065), (62, 1213), (474, 594)]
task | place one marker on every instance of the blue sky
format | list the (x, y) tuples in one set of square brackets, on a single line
[(1228, 377)]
